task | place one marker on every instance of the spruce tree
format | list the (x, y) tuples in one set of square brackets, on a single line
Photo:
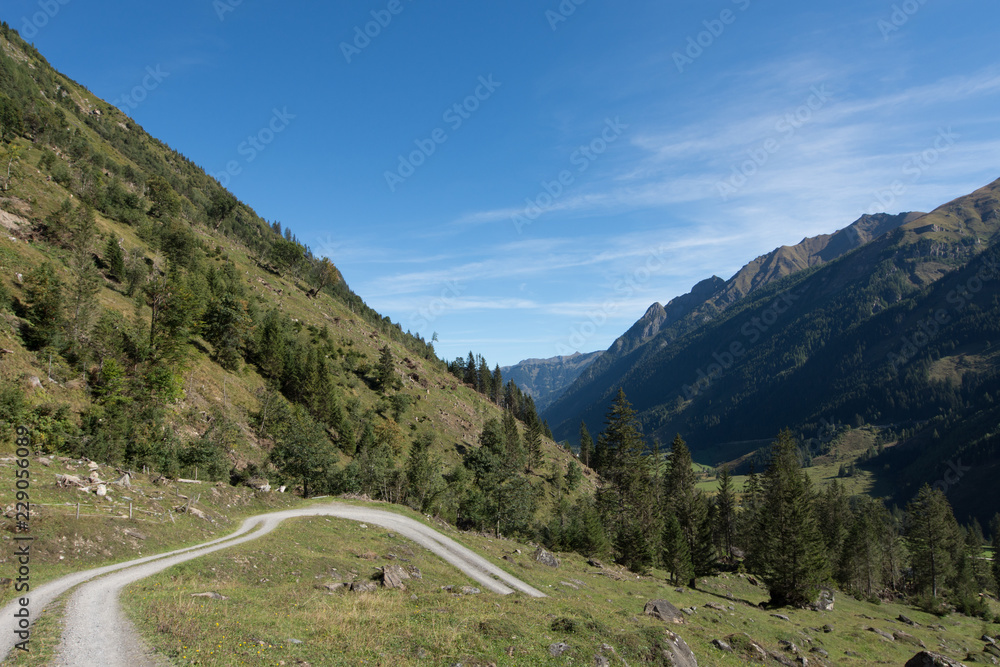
[(789, 555), (586, 444), (533, 443), (682, 499), (115, 259), (834, 514), (675, 555), (725, 515), (626, 498), (995, 529), (933, 539), (385, 372)]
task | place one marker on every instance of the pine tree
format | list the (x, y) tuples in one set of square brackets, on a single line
[(533, 443), (933, 539), (682, 499), (995, 530), (423, 479), (115, 259), (789, 556), (513, 446), (834, 514), (675, 555), (586, 444), (385, 372), (471, 375), (865, 556), (725, 516), (496, 386), (626, 498)]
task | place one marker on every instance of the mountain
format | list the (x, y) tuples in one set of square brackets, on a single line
[(899, 332), (705, 302), (545, 379)]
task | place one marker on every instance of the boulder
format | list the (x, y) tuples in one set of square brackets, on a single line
[(722, 646), (905, 619), (750, 650), (545, 557), (470, 590), (664, 611), (364, 587), (907, 638), (213, 595), (881, 633), (393, 576), (68, 480), (677, 652), (593, 562), (825, 601), (929, 659), (556, 650)]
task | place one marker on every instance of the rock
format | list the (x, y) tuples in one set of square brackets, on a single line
[(664, 611), (34, 382), (393, 576), (743, 644), (414, 572), (907, 638), (101, 490), (904, 619), (364, 587), (689, 610), (332, 588), (677, 652), (135, 533), (214, 596), (828, 628), (752, 581), (593, 562), (820, 652), (988, 639), (789, 646), (601, 661), (715, 606), (125, 481), (545, 558), (722, 646), (825, 601), (68, 480), (569, 585), (44, 461), (470, 590), (556, 650), (294, 641), (992, 649), (928, 659), (781, 616), (884, 635)]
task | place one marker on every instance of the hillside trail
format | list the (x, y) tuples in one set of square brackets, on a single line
[(96, 632)]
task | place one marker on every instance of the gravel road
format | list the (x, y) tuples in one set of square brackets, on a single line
[(97, 633)]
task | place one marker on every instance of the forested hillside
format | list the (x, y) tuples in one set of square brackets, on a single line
[(152, 320)]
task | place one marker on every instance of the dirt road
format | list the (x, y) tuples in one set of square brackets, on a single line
[(97, 633)]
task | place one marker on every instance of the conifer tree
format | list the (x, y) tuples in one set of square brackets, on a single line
[(675, 555), (789, 554), (933, 538), (834, 518), (115, 258), (725, 516), (586, 444), (533, 443), (496, 386), (682, 499), (626, 498), (995, 530), (385, 372)]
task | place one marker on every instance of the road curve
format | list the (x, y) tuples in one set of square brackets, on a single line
[(97, 633)]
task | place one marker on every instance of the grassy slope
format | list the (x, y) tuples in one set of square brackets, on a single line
[(273, 597)]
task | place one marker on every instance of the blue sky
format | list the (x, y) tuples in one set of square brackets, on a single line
[(601, 156)]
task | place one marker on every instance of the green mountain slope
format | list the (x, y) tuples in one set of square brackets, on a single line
[(150, 319), (899, 332), (703, 304)]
